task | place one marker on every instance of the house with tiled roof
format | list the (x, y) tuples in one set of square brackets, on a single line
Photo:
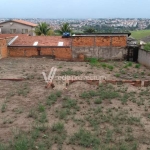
[(17, 27)]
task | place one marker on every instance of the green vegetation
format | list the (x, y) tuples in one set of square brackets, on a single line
[(52, 98), (147, 47), (71, 72), (102, 93), (85, 138), (128, 64), (104, 124), (58, 134), (58, 127), (121, 70), (140, 34), (64, 28), (89, 30), (96, 62), (137, 66), (62, 114), (24, 90), (41, 108), (107, 116), (93, 61), (3, 108), (43, 29), (108, 29)]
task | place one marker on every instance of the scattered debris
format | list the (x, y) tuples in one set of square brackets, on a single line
[(137, 83), (50, 84), (13, 79)]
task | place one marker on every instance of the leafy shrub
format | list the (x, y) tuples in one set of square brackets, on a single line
[(147, 47)]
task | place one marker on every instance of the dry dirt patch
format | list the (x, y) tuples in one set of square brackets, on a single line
[(82, 116)]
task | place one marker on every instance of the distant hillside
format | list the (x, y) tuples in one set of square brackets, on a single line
[(140, 34)]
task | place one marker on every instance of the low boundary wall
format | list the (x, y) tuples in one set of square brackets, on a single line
[(144, 58), (57, 52), (3, 48)]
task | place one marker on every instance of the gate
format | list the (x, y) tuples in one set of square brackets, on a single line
[(132, 54)]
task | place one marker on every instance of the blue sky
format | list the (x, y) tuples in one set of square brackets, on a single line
[(75, 8)]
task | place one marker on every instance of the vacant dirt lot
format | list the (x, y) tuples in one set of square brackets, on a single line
[(79, 117)]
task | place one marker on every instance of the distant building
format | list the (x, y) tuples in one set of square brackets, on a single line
[(0, 29), (17, 27)]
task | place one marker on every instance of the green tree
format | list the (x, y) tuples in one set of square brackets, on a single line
[(43, 29), (65, 28), (89, 30)]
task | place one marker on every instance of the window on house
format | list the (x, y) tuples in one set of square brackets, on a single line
[(24, 31), (12, 30)]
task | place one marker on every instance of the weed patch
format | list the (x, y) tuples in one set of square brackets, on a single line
[(85, 138), (53, 98), (70, 72)]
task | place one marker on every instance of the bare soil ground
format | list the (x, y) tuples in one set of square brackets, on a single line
[(83, 116)]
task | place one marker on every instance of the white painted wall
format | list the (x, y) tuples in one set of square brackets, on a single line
[(144, 58), (7, 26)]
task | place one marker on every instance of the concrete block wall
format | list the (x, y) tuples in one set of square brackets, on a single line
[(144, 58), (3, 48), (106, 47), (99, 52)]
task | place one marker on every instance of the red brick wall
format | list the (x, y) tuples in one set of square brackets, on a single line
[(100, 41), (119, 41), (63, 53), (66, 53), (60, 53), (22, 51), (83, 41), (16, 52), (3, 48), (46, 51), (31, 52)]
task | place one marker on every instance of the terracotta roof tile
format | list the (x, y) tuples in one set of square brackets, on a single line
[(42, 41), (25, 22), (22, 22), (4, 36)]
